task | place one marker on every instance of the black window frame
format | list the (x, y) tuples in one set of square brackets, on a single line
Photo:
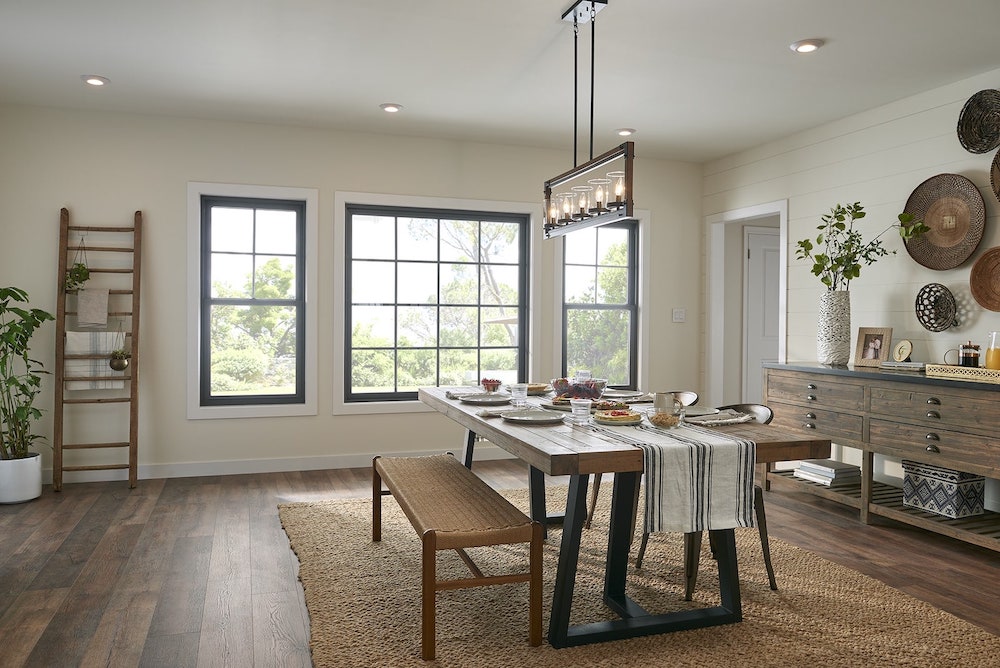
[(524, 245), (208, 301), (631, 305)]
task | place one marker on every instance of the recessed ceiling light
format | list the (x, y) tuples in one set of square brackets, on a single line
[(390, 107), (625, 132), (95, 80), (806, 45)]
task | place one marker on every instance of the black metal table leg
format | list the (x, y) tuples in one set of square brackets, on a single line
[(536, 494), (634, 620)]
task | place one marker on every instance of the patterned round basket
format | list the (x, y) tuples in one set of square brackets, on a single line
[(936, 307), (995, 175), (979, 122), (984, 280), (952, 207)]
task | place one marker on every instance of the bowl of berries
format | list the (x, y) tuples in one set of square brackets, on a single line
[(591, 388), (491, 385)]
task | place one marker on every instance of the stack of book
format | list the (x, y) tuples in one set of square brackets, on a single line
[(829, 473)]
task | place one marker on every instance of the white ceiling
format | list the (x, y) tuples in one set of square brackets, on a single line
[(699, 79)]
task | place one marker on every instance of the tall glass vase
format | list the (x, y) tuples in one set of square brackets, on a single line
[(833, 330)]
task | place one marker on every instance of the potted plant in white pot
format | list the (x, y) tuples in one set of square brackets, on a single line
[(20, 383), (837, 255)]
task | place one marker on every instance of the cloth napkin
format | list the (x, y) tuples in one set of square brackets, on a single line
[(727, 416), (696, 479), (459, 392)]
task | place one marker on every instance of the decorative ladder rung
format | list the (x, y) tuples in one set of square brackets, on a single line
[(110, 313), (93, 378), (105, 400), (108, 270), (101, 249), (104, 467), (98, 228), (91, 446)]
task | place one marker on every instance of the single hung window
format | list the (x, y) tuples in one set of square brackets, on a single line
[(600, 305)]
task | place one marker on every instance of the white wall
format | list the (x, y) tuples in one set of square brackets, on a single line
[(102, 167), (878, 158)]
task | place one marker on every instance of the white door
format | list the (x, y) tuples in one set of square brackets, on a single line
[(762, 267)]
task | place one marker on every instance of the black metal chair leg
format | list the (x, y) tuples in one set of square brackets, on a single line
[(470, 447), (758, 504), (593, 500), (692, 556), (642, 550)]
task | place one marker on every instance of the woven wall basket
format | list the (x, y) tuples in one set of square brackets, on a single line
[(952, 206), (984, 280), (995, 175), (979, 122)]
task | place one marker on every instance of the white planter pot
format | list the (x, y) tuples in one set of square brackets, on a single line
[(21, 479), (833, 329)]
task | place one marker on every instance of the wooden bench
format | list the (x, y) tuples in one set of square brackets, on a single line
[(451, 508)]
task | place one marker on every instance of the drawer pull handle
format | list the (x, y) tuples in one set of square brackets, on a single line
[(932, 437), (811, 386), (809, 425), (932, 448), (934, 414), (810, 397), (933, 401), (811, 416)]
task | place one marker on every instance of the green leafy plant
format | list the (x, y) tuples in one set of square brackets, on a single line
[(76, 276), (20, 379), (120, 354), (839, 250)]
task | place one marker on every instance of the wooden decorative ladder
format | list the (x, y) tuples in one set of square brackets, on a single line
[(121, 278)]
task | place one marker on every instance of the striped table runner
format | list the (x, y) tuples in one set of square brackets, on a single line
[(696, 479)]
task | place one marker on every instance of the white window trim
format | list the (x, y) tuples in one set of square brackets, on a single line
[(311, 197), (341, 200)]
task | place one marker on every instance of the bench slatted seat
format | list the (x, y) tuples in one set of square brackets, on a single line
[(452, 508)]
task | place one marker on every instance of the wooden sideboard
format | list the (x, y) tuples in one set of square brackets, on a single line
[(896, 414)]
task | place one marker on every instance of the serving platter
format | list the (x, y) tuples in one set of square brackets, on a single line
[(612, 393), (485, 399), (618, 423), (532, 416)]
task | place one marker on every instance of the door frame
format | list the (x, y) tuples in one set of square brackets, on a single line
[(718, 273), (745, 337)]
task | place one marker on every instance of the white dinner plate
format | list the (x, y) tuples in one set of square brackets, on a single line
[(532, 416), (485, 399), (696, 411)]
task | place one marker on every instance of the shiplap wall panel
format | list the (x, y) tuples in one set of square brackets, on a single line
[(878, 158)]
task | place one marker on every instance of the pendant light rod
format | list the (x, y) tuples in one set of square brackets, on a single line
[(576, 77), (593, 47)]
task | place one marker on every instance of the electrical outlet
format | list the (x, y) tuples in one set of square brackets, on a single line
[(680, 315)]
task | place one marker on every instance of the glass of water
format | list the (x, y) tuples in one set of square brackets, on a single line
[(519, 395), (580, 410)]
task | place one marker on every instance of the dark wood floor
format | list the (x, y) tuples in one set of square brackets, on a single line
[(197, 571)]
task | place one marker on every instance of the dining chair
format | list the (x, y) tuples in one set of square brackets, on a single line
[(692, 541), (687, 398)]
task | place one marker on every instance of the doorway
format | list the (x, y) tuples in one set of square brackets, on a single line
[(728, 363)]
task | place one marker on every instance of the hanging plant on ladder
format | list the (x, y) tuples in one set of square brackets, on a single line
[(119, 356), (78, 273)]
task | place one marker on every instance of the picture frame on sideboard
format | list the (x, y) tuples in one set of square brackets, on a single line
[(873, 346)]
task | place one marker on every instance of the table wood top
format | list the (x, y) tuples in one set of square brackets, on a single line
[(562, 449)]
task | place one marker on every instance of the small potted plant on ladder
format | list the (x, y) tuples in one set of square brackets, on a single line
[(20, 383)]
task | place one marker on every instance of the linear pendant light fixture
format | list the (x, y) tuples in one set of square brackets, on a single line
[(600, 190)]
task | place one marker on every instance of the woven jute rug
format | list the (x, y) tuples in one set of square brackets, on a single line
[(364, 603)]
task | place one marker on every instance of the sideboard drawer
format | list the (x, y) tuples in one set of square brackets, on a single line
[(924, 405), (952, 449), (828, 424), (814, 390)]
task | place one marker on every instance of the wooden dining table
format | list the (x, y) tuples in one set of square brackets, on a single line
[(578, 452)]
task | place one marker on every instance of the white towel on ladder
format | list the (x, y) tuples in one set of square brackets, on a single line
[(92, 307), (91, 343)]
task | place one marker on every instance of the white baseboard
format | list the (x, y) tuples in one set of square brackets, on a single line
[(483, 452)]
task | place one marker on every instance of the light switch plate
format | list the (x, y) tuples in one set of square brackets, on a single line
[(680, 315)]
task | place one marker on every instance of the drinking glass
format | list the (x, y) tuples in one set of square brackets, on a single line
[(580, 410), (519, 395)]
